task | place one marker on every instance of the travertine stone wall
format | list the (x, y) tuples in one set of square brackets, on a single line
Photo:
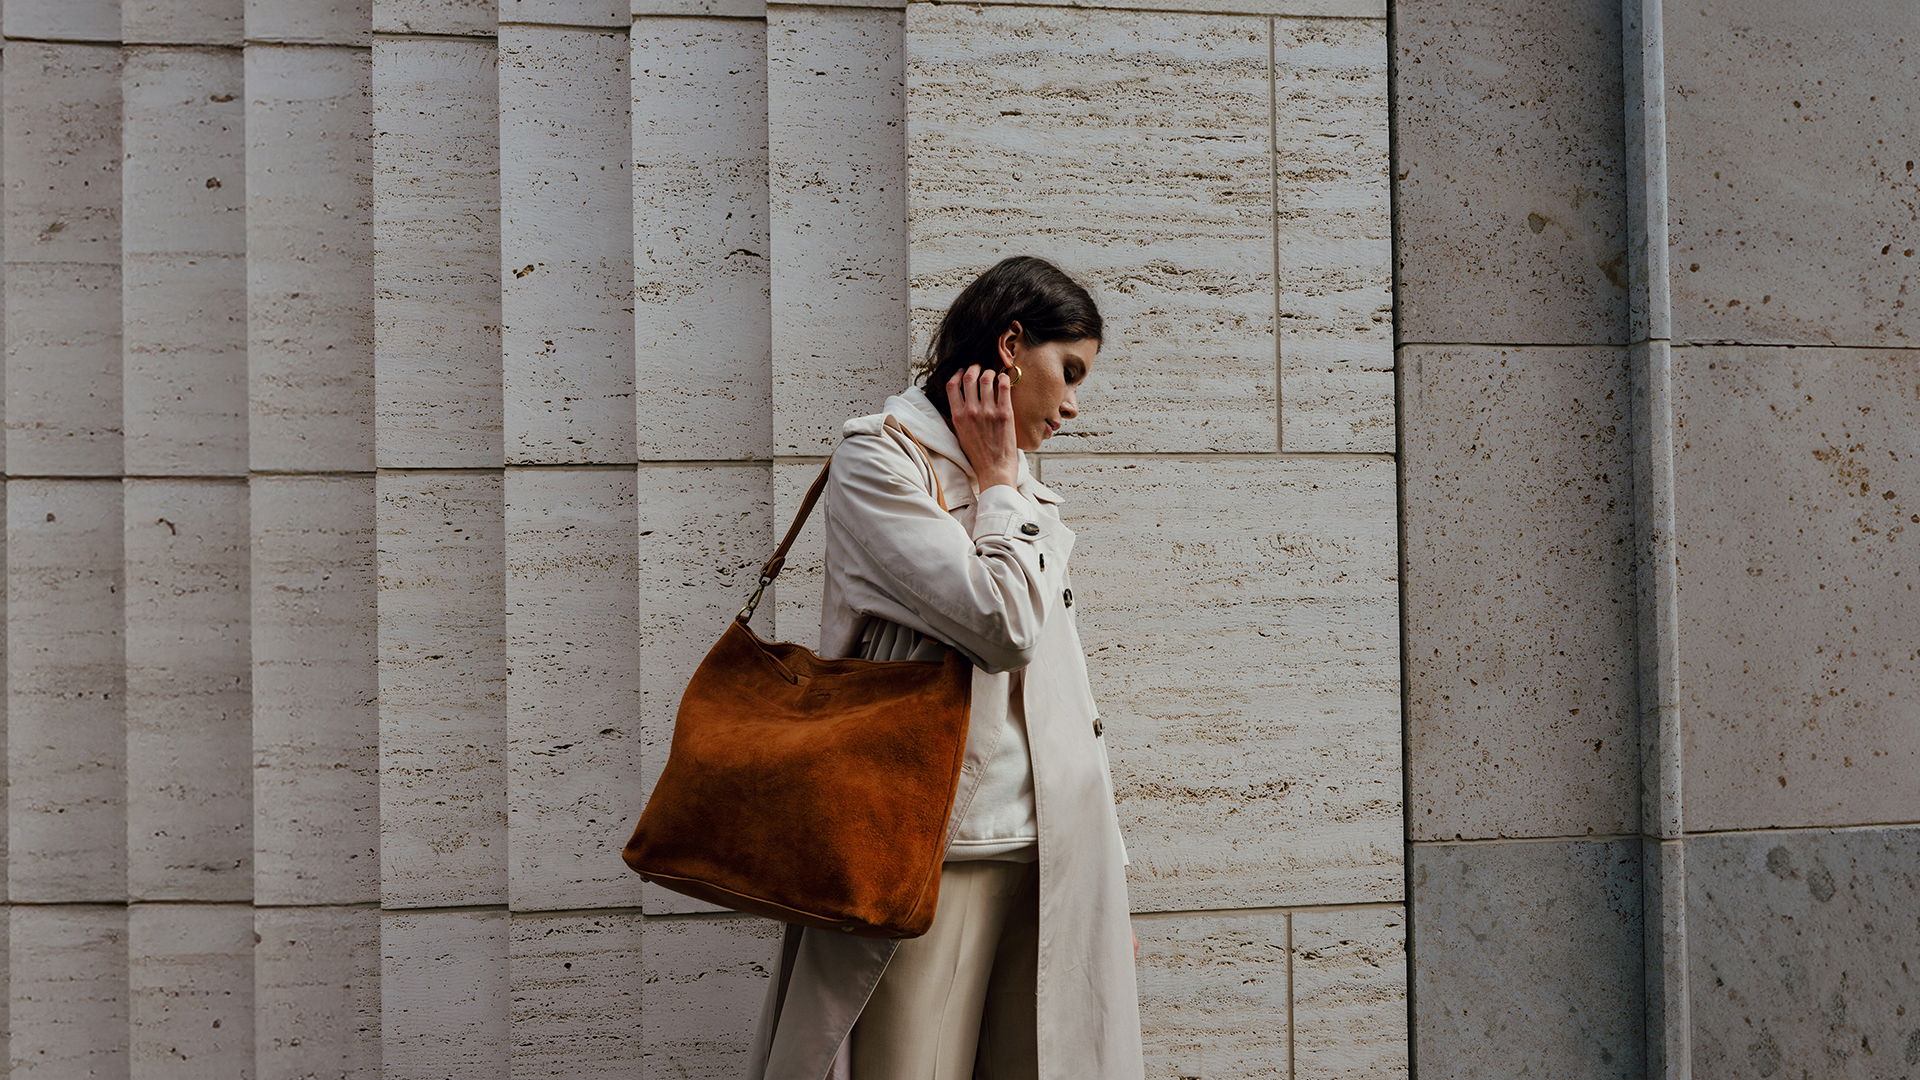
[(1660, 403), (401, 395)]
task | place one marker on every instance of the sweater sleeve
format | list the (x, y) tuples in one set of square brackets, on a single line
[(906, 560)]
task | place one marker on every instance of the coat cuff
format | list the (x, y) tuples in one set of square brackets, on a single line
[(1004, 511)]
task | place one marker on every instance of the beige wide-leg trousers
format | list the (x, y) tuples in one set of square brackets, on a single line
[(965, 988)]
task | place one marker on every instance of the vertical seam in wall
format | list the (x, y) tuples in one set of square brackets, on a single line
[(1273, 226)]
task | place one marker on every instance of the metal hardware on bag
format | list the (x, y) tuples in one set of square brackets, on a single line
[(849, 928), (746, 613)]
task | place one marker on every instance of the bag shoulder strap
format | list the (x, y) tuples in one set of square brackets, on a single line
[(779, 559)]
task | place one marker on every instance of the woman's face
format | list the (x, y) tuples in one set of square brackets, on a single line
[(1050, 376)]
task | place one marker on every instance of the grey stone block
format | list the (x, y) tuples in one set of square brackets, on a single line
[(176, 22), (446, 995), (705, 980), (316, 993), (1801, 950), (1350, 994), (1153, 189), (67, 988), (1795, 481), (701, 263), (578, 979), (1519, 558), (1528, 959), (190, 990), (1511, 200), (310, 22)]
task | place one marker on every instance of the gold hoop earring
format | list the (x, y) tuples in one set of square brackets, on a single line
[(1013, 370)]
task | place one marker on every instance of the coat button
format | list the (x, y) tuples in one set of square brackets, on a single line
[(1068, 597), (1096, 725), (1030, 528)]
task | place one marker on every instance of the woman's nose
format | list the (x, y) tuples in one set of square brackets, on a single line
[(1068, 409)]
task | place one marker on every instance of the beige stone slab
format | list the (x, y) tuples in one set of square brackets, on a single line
[(62, 106), (1213, 995), (1512, 219), (574, 684), (705, 981), (836, 169), (436, 230), (177, 22), (577, 982), (704, 532), (184, 297), (83, 20), (67, 990), (443, 680), (66, 702), (310, 294), (610, 14), (316, 993), (446, 995), (1350, 994), (701, 268), (466, 18), (310, 22), (1518, 504), (567, 287), (188, 694), (190, 990), (1141, 169), (1790, 198), (316, 783), (1795, 488), (1333, 232), (1241, 622)]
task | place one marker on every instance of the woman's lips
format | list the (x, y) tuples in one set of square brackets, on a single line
[(1052, 427)]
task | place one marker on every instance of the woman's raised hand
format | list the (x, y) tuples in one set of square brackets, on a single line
[(981, 401)]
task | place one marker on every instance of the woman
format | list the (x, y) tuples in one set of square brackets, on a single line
[(1028, 970)]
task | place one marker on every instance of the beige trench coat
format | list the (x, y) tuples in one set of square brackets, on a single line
[(899, 571)]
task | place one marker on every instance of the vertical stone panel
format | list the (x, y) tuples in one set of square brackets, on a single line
[(185, 289), (66, 675), (1240, 620), (338, 22), (67, 987), (207, 22), (576, 993), (836, 166), (704, 531), (316, 787), (700, 1000), (1350, 994), (444, 995), (316, 987), (309, 223), (1133, 152), (436, 238), (567, 285), (190, 991), (83, 20), (1333, 234), (189, 725), (443, 672), (1213, 995), (62, 276), (701, 257), (573, 684), (469, 18)]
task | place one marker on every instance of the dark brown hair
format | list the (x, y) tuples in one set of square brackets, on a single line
[(1049, 306)]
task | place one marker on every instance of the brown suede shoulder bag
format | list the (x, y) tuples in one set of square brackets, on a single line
[(809, 789)]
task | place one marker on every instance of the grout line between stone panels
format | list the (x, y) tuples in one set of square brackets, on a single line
[(1611, 837), (1676, 345)]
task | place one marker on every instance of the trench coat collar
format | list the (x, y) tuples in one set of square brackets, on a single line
[(914, 409)]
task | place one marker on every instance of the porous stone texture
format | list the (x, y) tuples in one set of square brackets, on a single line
[(1141, 168), (184, 299), (1214, 995), (436, 243), (316, 992), (443, 675), (1350, 993), (1789, 172), (446, 994), (1509, 193), (67, 986), (837, 190), (1801, 946), (576, 1004), (702, 274), (310, 288), (573, 684), (1519, 507), (567, 295), (1239, 618), (189, 724), (190, 990), (704, 979)]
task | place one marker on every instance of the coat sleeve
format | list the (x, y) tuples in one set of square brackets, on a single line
[(904, 559)]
